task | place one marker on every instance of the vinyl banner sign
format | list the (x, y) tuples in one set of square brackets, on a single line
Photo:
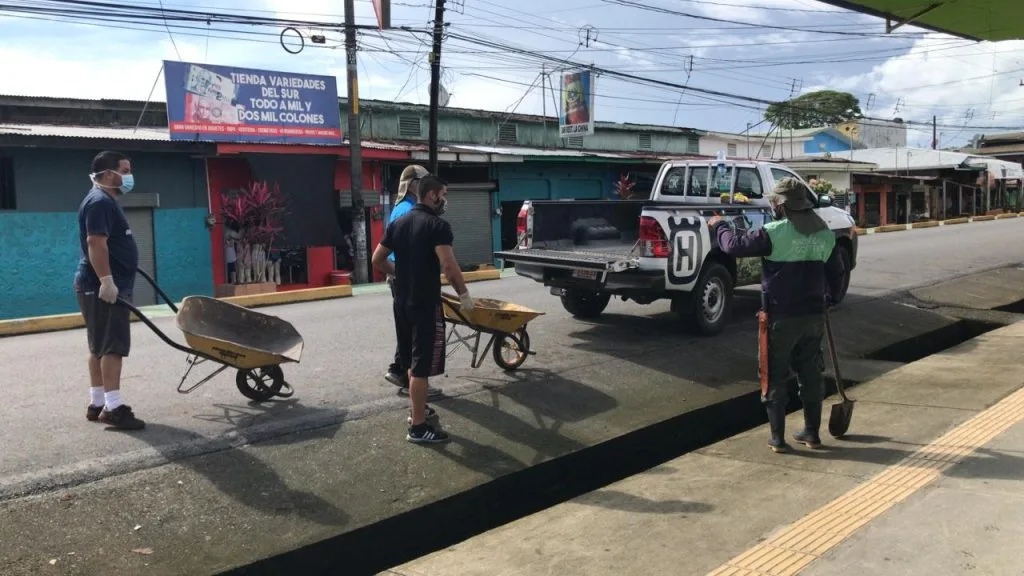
[(226, 104), (576, 117)]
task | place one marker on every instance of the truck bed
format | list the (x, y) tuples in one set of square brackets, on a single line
[(609, 258)]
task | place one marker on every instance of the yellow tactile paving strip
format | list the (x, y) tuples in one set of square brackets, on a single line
[(792, 550)]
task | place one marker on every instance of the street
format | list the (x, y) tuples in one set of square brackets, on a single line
[(347, 466), (349, 343)]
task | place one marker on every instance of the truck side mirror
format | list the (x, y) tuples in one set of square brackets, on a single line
[(824, 201)]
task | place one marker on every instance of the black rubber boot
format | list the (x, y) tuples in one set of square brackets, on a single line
[(777, 421), (812, 422)]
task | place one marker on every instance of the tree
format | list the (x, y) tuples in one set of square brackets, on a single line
[(814, 109)]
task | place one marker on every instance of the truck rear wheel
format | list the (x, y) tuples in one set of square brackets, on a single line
[(706, 310), (584, 303)]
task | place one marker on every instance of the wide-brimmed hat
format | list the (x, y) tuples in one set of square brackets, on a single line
[(411, 172), (792, 194)]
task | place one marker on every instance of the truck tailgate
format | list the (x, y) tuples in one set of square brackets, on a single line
[(609, 259)]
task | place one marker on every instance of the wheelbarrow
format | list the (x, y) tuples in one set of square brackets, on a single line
[(504, 322), (254, 344)]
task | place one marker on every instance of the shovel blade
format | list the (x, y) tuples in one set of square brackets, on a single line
[(839, 419)]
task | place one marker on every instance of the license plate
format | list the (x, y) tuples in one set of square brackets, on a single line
[(585, 274)]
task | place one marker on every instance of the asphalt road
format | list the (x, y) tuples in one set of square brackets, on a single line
[(349, 343)]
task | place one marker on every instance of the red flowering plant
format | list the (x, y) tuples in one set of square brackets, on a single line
[(254, 214), (624, 187)]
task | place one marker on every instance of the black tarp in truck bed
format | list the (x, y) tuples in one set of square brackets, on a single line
[(585, 234)]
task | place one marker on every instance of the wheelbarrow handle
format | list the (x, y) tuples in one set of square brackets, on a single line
[(156, 330), (447, 300), (159, 291)]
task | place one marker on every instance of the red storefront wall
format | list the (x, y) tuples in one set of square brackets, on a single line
[(228, 171)]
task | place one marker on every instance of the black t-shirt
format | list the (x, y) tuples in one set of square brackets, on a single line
[(101, 215), (413, 238)]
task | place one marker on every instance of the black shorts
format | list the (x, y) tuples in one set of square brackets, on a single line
[(421, 339), (107, 326)]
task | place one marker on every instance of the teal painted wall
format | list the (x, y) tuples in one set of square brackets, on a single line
[(40, 255), (39, 251), (183, 259)]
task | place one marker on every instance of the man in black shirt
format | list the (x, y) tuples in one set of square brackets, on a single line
[(422, 243)]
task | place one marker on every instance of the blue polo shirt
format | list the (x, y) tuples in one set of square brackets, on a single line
[(100, 214), (400, 209)]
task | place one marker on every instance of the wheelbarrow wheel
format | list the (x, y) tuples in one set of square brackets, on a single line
[(507, 354), (262, 384)]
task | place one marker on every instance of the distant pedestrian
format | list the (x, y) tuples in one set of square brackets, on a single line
[(801, 275), (105, 273), (422, 240), (408, 187)]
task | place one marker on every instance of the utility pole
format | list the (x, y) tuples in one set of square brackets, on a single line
[(435, 80), (355, 153), (935, 138)]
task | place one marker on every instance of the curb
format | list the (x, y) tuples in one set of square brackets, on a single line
[(932, 224), (58, 322)]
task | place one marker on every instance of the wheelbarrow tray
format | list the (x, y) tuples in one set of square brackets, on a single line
[(237, 336), (490, 315)]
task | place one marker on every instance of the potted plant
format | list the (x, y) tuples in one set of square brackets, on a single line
[(254, 213)]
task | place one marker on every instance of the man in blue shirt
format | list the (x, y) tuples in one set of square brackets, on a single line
[(105, 273), (408, 195)]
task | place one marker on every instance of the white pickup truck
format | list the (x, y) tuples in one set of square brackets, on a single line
[(661, 248)]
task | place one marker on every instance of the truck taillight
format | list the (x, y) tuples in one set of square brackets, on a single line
[(653, 243), (523, 236)]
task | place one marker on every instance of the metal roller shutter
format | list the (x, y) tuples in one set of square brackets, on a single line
[(469, 213), (141, 221)]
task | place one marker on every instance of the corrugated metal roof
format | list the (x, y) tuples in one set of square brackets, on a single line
[(143, 133), (917, 159), (91, 132)]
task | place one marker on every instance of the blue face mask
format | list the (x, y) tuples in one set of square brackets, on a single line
[(127, 183)]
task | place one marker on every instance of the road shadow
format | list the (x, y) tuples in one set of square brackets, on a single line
[(276, 422), (243, 477), (528, 411), (625, 502)]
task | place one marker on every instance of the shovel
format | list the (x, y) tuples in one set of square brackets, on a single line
[(842, 413)]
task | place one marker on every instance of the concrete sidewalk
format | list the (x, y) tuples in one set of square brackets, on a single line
[(929, 481)]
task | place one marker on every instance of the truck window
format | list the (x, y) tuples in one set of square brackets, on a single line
[(698, 181), (748, 183), (675, 182), (779, 174)]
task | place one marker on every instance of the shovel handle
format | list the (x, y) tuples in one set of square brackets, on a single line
[(835, 356)]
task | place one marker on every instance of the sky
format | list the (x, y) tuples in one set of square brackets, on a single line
[(970, 87)]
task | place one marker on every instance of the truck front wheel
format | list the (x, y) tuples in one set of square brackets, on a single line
[(705, 311), (584, 303)]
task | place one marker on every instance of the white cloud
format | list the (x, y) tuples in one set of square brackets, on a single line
[(935, 78)]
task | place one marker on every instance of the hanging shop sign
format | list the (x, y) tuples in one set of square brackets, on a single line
[(576, 116), (227, 104)]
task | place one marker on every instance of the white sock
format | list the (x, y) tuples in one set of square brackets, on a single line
[(113, 399), (96, 397)]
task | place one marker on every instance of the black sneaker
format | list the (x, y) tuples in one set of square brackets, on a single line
[(431, 415), (92, 413), (121, 417), (400, 380), (426, 434)]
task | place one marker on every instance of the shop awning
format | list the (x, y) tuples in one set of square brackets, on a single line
[(992, 20)]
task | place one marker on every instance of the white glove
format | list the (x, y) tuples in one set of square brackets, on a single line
[(108, 290), (467, 302)]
